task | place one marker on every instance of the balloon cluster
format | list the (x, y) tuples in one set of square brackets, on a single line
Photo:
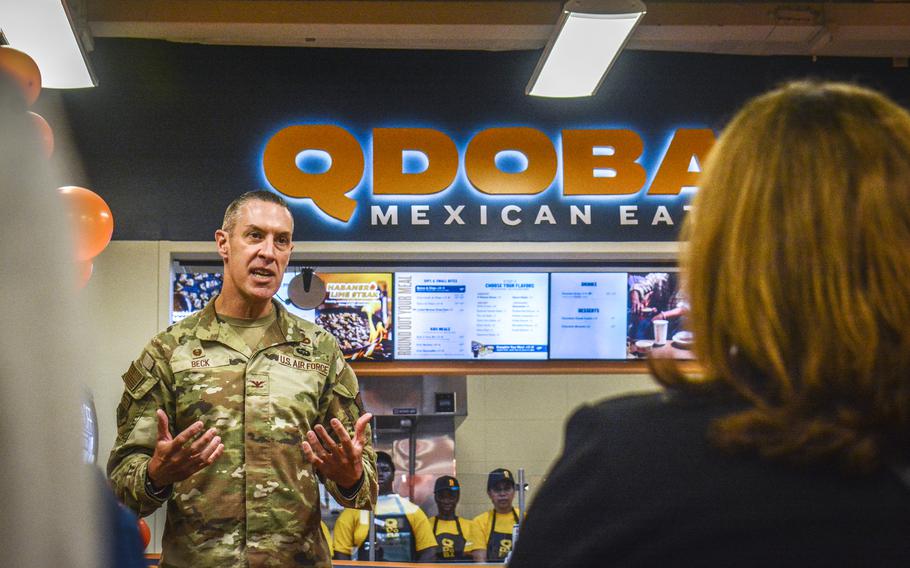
[(88, 213)]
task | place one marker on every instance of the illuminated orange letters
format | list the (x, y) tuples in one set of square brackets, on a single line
[(595, 162), (327, 189), (585, 153), (674, 174), (480, 161), (388, 146)]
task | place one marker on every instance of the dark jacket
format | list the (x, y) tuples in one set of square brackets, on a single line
[(639, 485)]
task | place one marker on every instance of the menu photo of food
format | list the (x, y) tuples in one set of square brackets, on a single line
[(656, 317), (192, 291), (357, 310)]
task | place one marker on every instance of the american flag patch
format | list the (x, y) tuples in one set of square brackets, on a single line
[(132, 377)]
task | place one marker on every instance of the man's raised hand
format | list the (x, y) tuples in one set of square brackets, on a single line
[(178, 457), (342, 462)]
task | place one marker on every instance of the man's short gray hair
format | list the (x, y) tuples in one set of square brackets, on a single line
[(230, 214)]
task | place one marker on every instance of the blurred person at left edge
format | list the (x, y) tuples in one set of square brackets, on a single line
[(227, 415), (52, 511)]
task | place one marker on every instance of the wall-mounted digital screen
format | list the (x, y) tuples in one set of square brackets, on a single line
[(489, 315), (588, 315), (357, 310), (192, 291), (484, 315), (656, 320)]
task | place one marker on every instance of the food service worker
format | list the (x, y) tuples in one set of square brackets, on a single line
[(496, 524), (403, 533), (458, 539)]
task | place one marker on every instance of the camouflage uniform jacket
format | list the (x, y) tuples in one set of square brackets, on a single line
[(258, 504)]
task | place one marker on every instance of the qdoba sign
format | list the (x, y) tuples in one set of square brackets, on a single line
[(587, 184)]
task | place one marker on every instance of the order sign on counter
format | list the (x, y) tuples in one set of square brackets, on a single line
[(447, 315)]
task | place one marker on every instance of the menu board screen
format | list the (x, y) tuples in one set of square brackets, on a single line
[(447, 315), (588, 315), (357, 310), (484, 315), (192, 291), (657, 312)]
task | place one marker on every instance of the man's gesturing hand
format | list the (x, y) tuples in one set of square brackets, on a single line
[(341, 462), (179, 457)]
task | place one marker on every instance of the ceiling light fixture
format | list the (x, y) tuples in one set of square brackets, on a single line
[(45, 30), (583, 46)]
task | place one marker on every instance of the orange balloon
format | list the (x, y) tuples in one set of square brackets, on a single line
[(23, 70), (145, 533), (91, 218), (44, 132), (84, 271)]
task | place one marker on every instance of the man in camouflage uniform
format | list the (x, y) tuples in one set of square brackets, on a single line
[(253, 392)]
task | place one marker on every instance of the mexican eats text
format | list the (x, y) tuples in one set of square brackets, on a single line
[(595, 162)]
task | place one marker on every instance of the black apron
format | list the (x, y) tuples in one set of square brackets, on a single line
[(499, 544), (394, 539), (450, 547)]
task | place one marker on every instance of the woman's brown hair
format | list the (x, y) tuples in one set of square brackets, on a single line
[(797, 267)]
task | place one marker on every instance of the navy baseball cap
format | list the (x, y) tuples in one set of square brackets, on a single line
[(446, 483), (497, 475)]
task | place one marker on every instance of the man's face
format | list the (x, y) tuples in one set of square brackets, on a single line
[(502, 494), (384, 473), (256, 251), (446, 500)]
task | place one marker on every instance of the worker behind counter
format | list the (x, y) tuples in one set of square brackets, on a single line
[(327, 535), (496, 524), (457, 539), (403, 533)]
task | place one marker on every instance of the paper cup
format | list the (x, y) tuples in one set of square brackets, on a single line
[(660, 331)]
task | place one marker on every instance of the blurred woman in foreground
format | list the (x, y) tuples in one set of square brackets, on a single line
[(792, 448)]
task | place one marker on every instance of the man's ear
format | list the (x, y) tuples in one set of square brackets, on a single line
[(222, 240)]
